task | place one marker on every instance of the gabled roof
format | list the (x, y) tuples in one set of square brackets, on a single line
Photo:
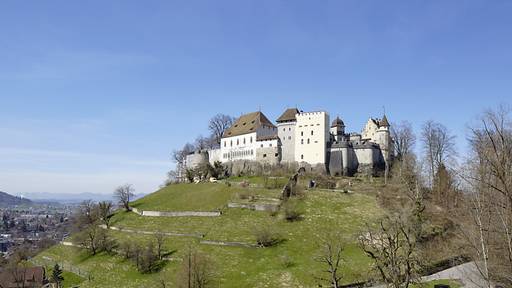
[(248, 123), (288, 115)]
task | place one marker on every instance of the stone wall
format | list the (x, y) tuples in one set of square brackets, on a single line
[(176, 213), (268, 155)]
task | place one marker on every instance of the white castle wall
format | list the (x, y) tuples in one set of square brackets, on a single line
[(241, 147), (311, 137), (286, 132)]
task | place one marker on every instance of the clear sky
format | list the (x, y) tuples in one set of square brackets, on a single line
[(98, 93)]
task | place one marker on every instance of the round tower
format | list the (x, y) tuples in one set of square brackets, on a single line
[(338, 129), (384, 139)]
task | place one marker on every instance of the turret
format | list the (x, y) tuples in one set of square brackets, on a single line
[(338, 129), (384, 138)]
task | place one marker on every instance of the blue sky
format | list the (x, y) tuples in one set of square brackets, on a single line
[(98, 93)]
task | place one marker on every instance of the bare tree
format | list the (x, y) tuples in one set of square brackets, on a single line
[(105, 212), (489, 231), (392, 248), (438, 147), (404, 139), (160, 239), (196, 271), (202, 143), (219, 124), (179, 156), (330, 257), (123, 194)]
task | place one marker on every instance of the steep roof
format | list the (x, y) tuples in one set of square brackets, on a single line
[(248, 123), (384, 121), (288, 115)]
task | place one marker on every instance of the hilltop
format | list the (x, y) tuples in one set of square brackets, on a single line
[(291, 263), (10, 200)]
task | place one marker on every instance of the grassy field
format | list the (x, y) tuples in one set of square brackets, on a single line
[(289, 264)]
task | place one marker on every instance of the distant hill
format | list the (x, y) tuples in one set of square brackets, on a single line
[(10, 200)]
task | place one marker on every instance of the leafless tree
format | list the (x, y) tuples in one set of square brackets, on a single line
[(330, 257), (392, 248), (489, 175), (438, 147), (404, 139), (160, 239), (219, 124), (202, 143), (196, 272), (123, 194), (105, 212), (178, 156)]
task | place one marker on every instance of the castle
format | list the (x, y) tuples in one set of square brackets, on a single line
[(305, 138)]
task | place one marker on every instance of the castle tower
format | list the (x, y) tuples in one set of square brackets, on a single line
[(311, 137), (286, 132), (384, 138), (338, 129)]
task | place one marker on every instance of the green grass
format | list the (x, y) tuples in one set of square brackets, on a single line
[(194, 197), (236, 267)]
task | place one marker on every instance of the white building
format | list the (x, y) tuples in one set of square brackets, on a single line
[(311, 137), (305, 138), (240, 141)]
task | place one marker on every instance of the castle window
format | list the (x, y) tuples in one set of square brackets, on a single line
[(261, 145), (302, 157), (289, 137), (301, 133), (244, 140), (252, 152), (284, 129), (308, 140), (277, 155), (311, 132), (301, 141), (231, 143), (237, 142), (270, 145), (290, 129), (250, 139), (264, 155), (224, 145)]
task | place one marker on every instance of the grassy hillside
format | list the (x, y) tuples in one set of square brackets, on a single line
[(289, 264)]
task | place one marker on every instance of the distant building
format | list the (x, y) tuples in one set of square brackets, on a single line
[(24, 277), (304, 138)]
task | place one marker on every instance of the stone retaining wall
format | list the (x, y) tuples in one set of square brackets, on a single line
[(195, 235), (176, 213), (256, 207)]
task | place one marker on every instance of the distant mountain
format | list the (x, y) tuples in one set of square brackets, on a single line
[(71, 198), (10, 200)]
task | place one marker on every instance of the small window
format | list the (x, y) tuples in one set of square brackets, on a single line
[(308, 140), (270, 145), (290, 129), (261, 146), (311, 132), (284, 129), (301, 133), (224, 145), (301, 141), (264, 155), (251, 139), (302, 157), (277, 154), (244, 140), (289, 137), (252, 152), (231, 143)]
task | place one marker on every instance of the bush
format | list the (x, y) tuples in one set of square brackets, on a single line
[(286, 261), (266, 238), (291, 211)]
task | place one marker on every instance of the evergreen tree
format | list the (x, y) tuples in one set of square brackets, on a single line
[(57, 277)]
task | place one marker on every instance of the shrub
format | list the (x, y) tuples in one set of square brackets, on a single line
[(291, 211), (286, 261), (266, 237)]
